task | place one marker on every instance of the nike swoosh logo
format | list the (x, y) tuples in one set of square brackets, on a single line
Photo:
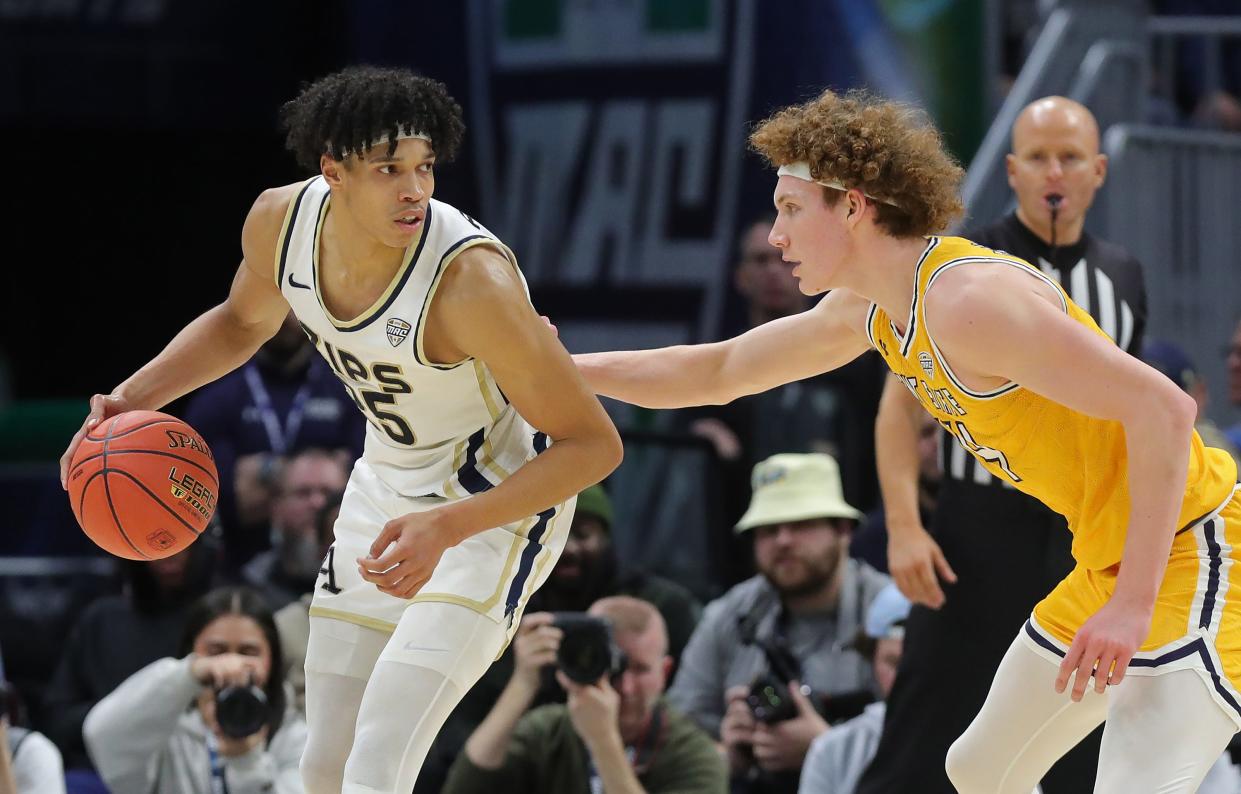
[(293, 283), (409, 646)]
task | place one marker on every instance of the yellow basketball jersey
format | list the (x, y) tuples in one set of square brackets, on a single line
[(1075, 464)]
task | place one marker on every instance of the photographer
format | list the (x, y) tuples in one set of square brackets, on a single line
[(614, 735), (838, 758), (214, 720), (785, 629)]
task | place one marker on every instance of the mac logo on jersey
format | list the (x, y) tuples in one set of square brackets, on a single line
[(927, 363), (397, 329)]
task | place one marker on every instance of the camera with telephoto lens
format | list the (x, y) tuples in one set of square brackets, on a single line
[(241, 711), (587, 651), (769, 699)]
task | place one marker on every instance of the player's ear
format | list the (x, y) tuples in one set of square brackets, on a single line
[(856, 201), (331, 169)]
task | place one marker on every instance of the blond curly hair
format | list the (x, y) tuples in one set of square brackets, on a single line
[(885, 149)]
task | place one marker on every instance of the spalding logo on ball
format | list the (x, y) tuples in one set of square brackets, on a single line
[(143, 485)]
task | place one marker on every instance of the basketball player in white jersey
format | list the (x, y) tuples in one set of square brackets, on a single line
[(480, 430)]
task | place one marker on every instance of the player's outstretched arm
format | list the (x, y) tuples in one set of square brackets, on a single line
[(827, 336), (914, 558), (217, 341), (481, 311), (1001, 322)]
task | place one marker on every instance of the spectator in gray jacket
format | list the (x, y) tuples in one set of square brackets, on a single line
[(799, 613), (838, 757), (159, 730)]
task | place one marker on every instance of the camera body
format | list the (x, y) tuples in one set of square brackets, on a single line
[(241, 711), (769, 699), (587, 651)]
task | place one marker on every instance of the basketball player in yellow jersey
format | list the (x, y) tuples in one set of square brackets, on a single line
[(480, 431), (1144, 632)]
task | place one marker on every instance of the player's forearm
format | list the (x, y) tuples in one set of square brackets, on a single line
[(562, 471), (488, 744), (1158, 452), (667, 377), (896, 457), (214, 344)]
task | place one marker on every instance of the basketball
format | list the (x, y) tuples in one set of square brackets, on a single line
[(143, 485)]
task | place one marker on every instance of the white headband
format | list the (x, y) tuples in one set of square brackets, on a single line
[(801, 170), (386, 138)]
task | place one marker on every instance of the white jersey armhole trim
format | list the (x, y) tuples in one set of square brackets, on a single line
[(870, 325), (943, 362), (282, 241)]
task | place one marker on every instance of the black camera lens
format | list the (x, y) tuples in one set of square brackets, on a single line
[(587, 651), (769, 700), (241, 711)]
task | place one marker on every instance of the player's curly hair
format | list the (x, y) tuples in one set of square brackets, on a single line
[(360, 106), (885, 149)]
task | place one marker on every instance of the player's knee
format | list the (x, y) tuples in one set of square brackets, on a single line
[(966, 768), (320, 774)]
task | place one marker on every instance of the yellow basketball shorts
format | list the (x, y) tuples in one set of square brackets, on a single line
[(1197, 618)]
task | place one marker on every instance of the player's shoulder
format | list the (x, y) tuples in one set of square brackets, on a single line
[(840, 306), (481, 272), (261, 231), (272, 205), (957, 292)]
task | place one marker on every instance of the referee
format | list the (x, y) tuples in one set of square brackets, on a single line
[(992, 552)]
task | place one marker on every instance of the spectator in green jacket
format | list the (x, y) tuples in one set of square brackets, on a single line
[(615, 735)]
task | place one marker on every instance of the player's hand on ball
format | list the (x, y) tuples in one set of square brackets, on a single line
[(102, 406), (405, 554), (1103, 647)]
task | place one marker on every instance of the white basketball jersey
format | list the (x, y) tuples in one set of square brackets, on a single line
[(432, 429)]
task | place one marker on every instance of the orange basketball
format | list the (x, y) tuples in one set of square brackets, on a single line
[(143, 485)]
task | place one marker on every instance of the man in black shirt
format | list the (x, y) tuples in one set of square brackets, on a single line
[(997, 550)]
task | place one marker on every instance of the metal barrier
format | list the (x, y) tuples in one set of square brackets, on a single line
[(1166, 32), (1172, 200), (669, 519), (1085, 49)]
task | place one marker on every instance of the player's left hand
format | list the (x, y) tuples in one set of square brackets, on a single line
[(1105, 643), (594, 709), (405, 554), (785, 744)]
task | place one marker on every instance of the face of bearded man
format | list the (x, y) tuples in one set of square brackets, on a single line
[(800, 557), (586, 564)]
